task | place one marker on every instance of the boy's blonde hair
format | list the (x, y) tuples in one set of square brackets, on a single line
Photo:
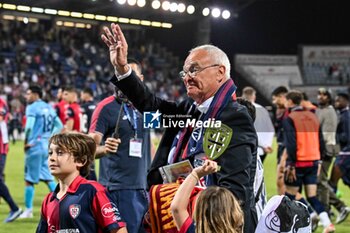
[(81, 146), (218, 211)]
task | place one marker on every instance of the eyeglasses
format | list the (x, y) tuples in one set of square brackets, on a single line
[(194, 70)]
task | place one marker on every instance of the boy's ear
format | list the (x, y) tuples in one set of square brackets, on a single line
[(81, 164)]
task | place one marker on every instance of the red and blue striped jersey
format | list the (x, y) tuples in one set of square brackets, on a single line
[(86, 207), (61, 110), (74, 113)]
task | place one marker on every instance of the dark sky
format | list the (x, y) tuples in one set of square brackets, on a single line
[(264, 27), (279, 26), (268, 27)]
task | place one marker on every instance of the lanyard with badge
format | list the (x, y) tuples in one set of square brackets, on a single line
[(135, 143)]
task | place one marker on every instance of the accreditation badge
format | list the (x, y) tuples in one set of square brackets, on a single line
[(135, 147)]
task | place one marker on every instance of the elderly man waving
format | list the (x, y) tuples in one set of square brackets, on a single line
[(206, 75)]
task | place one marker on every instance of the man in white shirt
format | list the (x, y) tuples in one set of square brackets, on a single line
[(262, 124)]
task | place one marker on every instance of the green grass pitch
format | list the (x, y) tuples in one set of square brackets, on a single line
[(15, 181)]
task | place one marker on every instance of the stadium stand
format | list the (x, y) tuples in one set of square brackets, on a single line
[(56, 56), (267, 72)]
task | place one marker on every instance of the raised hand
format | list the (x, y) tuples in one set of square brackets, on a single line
[(207, 168), (118, 47)]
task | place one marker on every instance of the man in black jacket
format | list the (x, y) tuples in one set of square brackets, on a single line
[(342, 162), (206, 76)]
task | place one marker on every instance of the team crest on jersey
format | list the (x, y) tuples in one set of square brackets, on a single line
[(74, 210)]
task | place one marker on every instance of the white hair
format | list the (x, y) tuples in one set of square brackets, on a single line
[(217, 55)]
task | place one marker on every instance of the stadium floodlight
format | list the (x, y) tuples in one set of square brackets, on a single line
[(156, 24), (112, 19), (145, 23), (23, 8), (33, 20), (63, 13), (132, 2), (50, 11), (9, 6), (173, 7), (181, 8), (226, 14), (167, 25), (206, 11), (141, 3), (190, 9), (37, 10), (156, 4), (8, 17), (166, 5), (88, 16), (124, 20), (121, 2), (100, 17), (216, 12), (80, 25), (25, 20), (135, 21), (0, 5), (76, 14), (68, 24)]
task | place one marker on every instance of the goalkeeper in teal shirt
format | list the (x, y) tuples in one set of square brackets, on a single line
[(41, 122)]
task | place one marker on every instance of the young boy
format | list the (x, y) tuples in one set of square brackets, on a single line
[(76, 205)]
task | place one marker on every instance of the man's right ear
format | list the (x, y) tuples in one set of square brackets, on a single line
[(221, 73)]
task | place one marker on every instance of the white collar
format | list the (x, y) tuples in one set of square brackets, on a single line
[(203, 108)]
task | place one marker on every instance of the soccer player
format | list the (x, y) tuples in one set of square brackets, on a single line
[(4, 140), (41, 123), (88, 106), (279, 100), (328, 120), (304, 145), (73, 115), (341, 168), (61, 106), (76, 205)]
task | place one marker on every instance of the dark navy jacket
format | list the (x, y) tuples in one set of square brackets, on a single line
[(343, 131), (238, 162)]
